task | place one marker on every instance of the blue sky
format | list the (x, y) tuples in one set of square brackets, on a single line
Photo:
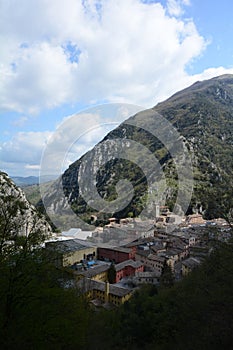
[(61, 57)]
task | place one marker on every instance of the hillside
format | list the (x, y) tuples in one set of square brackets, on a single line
[(18, 217), (203, 117), (33, 193)]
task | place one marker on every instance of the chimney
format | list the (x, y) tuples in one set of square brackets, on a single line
[(106, 292)]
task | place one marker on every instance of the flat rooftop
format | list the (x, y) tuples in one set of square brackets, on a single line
[(132, 263), (87, 284), (70, 245), (116, 249), (93, 271)]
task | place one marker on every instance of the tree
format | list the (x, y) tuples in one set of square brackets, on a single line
[(21, 233), (218, 202), (35, 310), (167, 276), (112, 273)]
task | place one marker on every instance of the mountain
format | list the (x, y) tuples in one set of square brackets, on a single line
[(17, 216), (194, 126), (32, 180)]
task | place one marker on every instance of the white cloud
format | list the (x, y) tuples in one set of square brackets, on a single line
[(78, 133), (24, 148), (40, 77), (212, 72), (32, 167), (206, 74), (176, 7), (74, 136), (55, 52), (20, 121)]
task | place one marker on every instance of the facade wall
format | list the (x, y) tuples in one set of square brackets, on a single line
[(77, 256), (114, 255), (98, 294), (151, 264), (103, 276), (115, 299), (154, 265), (183, 254), (171, 262), (147, 280), (119, 275), (185, 270), (128, 271)]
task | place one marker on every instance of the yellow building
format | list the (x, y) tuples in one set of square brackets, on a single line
[(103, 291), (72, 251), (189, 264), (97, 273)]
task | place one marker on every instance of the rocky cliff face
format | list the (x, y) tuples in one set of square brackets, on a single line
[(199, 117), (17, 216)]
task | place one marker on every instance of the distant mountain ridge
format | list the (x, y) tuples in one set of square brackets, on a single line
[(203, 115), (32, 180)]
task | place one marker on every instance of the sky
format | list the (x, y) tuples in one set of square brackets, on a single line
[(61, 58)]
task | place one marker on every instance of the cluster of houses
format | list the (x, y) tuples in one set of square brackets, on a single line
[(89, 266), (138, 256)]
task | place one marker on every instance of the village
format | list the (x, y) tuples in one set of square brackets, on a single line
[(110, 263)]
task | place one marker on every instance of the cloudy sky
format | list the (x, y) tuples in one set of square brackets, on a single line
[(60, 57)]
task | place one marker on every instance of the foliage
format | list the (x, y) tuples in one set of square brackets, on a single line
[(35, 311), (32, 193), (112, 273), (167, 278), (193, 314)]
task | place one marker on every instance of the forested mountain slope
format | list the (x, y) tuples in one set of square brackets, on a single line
[(203, 117)]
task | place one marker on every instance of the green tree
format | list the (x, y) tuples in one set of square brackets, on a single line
[(112, 273), (36, 311), (167, 276)]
